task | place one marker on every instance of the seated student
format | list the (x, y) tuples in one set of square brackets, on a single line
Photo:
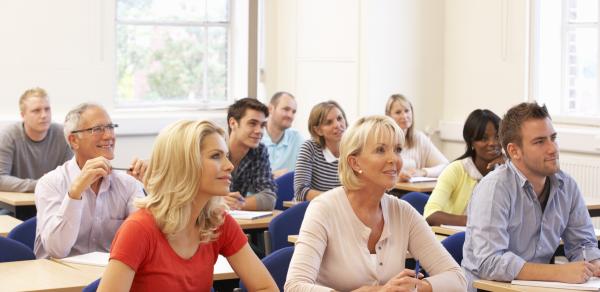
[(173, 241), (519, 213), (252, 184), (32, 147), (420, 156), (356, 236), (317, 165), (282, 142), (81, 204), (448, 201)]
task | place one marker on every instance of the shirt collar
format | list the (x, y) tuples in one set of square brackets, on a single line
[(471, 169), (329, 157), (285, 139), (556, 180)]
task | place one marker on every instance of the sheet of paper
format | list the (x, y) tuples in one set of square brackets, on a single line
[(593, 284), (93, 258), (248, 215), (418, 179), (454, 227)]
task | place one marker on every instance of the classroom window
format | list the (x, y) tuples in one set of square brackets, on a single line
[(172, 53), (565, 56)]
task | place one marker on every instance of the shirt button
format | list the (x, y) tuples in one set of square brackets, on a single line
[(380, 248), (380, 263)]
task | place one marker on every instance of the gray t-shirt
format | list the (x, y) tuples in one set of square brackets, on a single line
[(23, 161)]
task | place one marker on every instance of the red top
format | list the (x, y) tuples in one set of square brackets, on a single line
[(143, 247)]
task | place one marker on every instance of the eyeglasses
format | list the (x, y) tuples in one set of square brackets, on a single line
[(98, 130)]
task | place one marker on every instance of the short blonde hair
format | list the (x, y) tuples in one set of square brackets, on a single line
[(36, 91), (354, 140), (410, 132), (172, 180), (317, 116)]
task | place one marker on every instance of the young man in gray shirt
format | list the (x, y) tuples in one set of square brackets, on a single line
[(32, 147)]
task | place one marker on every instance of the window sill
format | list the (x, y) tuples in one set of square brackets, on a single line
[(146, 122)]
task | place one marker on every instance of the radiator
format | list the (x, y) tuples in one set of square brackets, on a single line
[(586, 172)]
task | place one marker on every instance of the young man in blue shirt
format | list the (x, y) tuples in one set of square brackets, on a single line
[(519, 213)]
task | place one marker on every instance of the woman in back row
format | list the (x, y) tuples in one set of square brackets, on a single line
[(419, 155), (317, 165), (448, 202)]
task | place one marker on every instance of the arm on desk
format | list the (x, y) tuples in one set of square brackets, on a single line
[(117, 277), (262, 201), (574, 272), (440, 217), (251, 271)]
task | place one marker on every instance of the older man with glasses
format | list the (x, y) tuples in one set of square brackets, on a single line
[(82, 203)]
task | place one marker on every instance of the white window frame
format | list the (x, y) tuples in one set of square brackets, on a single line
[(534, 16), (237, 64)]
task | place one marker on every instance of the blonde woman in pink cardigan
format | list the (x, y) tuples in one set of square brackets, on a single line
[(355, 237)]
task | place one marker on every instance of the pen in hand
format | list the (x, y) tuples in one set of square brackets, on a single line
[(417, 268)]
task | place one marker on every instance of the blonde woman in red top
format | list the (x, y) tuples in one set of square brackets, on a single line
[(173, 241)]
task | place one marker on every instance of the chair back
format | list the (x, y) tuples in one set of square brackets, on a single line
[(285, 189), (25, 232), (417, 200), (277, 263), (12, 251), (286, 223), (454, 244), (92, 287)]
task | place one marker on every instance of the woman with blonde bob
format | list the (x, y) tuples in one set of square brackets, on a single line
[(355, 237), (173, 241), (420, 156)]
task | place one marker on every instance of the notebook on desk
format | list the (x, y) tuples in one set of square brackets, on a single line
[(418, 179), (93, 258), (249, 215), (454, 227), (593, 284)]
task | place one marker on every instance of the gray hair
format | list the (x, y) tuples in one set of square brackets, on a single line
[(73, 116)]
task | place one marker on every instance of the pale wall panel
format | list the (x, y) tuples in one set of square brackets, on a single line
[(328, 29), (320, 81)]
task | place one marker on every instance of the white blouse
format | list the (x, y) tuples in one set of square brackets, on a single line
[(423, 155)]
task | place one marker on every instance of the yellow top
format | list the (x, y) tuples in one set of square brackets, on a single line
[(454, 188)]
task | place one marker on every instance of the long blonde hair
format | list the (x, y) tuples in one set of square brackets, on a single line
[(172, 180)]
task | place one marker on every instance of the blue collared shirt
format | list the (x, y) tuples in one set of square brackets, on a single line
[(283, 155), (506, 226)]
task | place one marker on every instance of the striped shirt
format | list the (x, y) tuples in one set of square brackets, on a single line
[(313, 171)]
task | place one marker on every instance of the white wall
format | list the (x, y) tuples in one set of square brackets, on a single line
[(358, 53), (485, 59)]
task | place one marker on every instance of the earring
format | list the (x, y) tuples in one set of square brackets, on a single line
[(360, 171)]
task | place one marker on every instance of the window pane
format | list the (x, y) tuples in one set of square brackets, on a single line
[(172, 10), (582, 10), (216, 10), (158, 63), (217, 64), (581, 72)]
